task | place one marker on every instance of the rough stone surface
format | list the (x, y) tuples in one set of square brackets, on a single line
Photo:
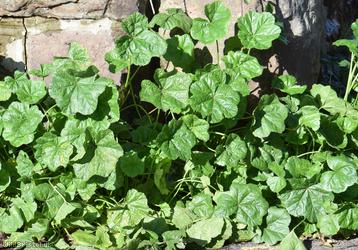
[(12, 38), (196, 9), (33, 31), (47, 38), (303, 27), (68, 9)]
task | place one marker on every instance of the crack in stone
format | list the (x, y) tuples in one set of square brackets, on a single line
[(25, 43), (106, 7), (59, 4)]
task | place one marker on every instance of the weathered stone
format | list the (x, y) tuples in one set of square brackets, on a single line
[(303, 28), (12, 53), (47, 38), (120, 9), (68, 9), (196, 9)]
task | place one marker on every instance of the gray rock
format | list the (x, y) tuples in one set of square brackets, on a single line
[(68, 9), (47, 38), (12, 38), (303, 28)]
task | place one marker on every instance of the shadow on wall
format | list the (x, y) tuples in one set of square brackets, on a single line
[(8, 66)]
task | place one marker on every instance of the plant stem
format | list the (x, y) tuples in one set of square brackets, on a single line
[(128, 77), (134, 101), (308, 153), (217, 52), (350, 81), (217, 133)]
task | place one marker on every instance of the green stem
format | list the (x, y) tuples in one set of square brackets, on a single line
[(212, 150), (308, 153), (217, 133), (128, 77), (217, 52), (352, 70), (134, 101), (158, 115)]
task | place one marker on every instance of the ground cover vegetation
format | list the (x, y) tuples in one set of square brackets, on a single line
[(192, 167)]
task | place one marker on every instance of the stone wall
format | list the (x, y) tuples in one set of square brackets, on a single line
[(303, 22), (33, 31)]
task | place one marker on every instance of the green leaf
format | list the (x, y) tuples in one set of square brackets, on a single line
[(301, 167), (306, 201), (74, 94), (173, 238), (310, 117), (28, 208), (20, 123), (171, 91), (278, 221), (64, 210), (350, 44), (53, 151), (104, 159), (213, 98), (182, 217), (24, 165), (11, 82), (242, 65), (131, 164), (201, 205), (5, 179), (232, 152), (276, 183), (331, 134), (288, 85), (202, 232), (138, 47), (173, 18), (83, 238), (102, 238), (328, 99), (347, 124), (50, 195), (162, 169), (244, 200), (30, 91), (257, 30), (199, 127), (215, 27), (291, 242), (328, 224), (135, 209), (44, 71), (354, 27), (5, 92), (342, 176), (180, 52), (270, 116), (12, 221), (176, 140), (107, 111), (36, 232), (78, 53), (348, 218)]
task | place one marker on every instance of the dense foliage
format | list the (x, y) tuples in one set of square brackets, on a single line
[(183, 163)]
